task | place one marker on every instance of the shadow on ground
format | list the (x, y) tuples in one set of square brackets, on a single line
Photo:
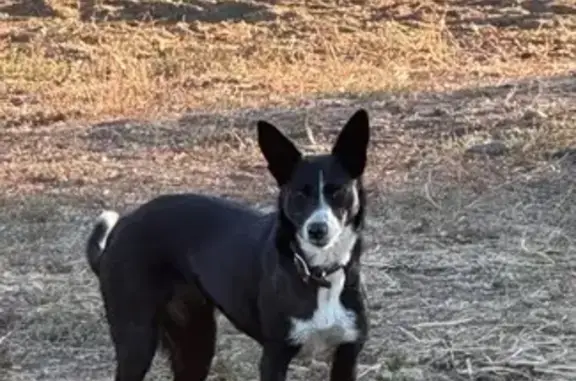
[(189, 11), (462, 14), (406, 124), (27, 8), (528, 14)]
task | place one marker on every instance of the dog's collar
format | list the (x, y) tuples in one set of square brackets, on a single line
[(314, 274)]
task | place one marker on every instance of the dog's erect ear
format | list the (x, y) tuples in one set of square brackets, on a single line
[(352, 144), (280, 153)]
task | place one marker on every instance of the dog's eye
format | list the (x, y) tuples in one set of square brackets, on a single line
[(333, 190), (305, 191), (301, 195)]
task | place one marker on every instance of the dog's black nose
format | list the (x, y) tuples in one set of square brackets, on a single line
[(317, 231)]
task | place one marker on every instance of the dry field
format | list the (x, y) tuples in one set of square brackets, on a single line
[(471, 261)]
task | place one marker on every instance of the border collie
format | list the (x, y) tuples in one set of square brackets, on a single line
[(289, 279)]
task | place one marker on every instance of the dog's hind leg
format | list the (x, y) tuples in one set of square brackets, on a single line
[(135, 346), (131, 310), (190, 337)]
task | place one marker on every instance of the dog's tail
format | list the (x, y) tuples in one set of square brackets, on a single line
[(99, 237)]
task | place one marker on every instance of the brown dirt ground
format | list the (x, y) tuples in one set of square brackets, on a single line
[(470, 265)]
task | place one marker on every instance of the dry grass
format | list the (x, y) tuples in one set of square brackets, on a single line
[(226, 54), (470, 263)]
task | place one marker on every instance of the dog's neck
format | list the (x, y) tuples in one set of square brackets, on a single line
[(315, 274), (315, 265)]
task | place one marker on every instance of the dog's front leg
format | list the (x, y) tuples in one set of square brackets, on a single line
[(275, 360), (344, 362)]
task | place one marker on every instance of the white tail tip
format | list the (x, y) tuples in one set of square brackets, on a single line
[(109, 218)]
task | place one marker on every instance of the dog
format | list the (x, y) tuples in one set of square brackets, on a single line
[(289, 279)]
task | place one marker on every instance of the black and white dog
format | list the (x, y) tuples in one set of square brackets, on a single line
[(288, 279)]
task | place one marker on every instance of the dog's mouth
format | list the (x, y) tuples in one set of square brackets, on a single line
[(323, 242)]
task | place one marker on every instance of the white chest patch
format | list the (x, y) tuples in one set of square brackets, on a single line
[(330, 324)]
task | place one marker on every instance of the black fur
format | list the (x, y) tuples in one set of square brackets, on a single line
[(169, 264)]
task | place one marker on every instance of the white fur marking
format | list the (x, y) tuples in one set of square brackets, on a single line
[(356, 203), (109, 218), (331, 323), (325, 214)]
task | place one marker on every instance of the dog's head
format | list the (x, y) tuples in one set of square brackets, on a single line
[(320, 195)]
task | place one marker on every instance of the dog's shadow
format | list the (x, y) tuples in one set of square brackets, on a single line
[(189, 11)]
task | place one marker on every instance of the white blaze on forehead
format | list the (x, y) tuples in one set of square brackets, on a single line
[(321, 200), (323, 211)]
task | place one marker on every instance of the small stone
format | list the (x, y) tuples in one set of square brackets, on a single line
[(494, 148), (423, 226), (440, 112), (532, 114), (566, 154), (17, 101)]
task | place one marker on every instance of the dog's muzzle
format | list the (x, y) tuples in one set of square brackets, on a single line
[(318, 233)]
